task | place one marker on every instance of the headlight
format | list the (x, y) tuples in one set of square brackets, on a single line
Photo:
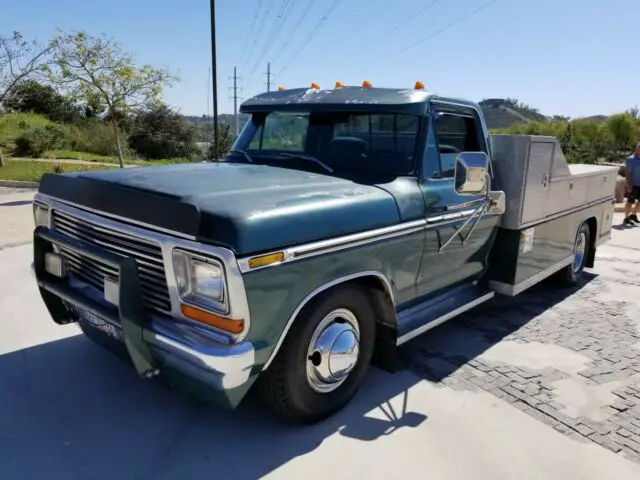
[(40, 214), (200, 280)]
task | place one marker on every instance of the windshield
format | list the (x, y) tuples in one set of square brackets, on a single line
[(333, 141)]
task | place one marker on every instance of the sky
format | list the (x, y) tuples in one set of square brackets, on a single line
[(565, 57)]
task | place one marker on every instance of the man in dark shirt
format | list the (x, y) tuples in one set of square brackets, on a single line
[(632, 181)]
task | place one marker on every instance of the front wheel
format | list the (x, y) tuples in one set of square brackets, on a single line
[(571, 275), (324, 357)]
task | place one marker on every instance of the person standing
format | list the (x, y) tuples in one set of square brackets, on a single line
[(632, 181)]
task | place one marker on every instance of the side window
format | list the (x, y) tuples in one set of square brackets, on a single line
[(455, 133)]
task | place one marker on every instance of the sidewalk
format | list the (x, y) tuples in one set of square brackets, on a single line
[(16, 216)]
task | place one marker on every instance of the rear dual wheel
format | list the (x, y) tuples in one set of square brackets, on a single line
[(572, 274), (324, 357)]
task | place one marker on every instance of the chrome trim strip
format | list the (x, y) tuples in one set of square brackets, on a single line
[(440, 320), (300, 252), (314, 293), (513, 290), (42, 196), (238, 304)]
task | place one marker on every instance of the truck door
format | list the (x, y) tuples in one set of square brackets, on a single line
[(451, 130)]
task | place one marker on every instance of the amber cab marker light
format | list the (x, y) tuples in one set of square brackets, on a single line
[(281, 89), (419, 85), (339, 84), (367, 84), (315, 86), (226, 324)]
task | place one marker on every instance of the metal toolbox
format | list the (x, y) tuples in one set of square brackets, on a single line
[(538, 182)]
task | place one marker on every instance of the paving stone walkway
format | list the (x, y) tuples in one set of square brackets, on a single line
[(569, 358)]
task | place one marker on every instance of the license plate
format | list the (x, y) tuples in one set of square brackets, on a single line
[(96, 322)]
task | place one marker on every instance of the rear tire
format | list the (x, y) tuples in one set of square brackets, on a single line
[(572, 274), (319, 368)]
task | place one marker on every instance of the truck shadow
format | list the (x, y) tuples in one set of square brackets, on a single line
[(82, 412), (445, 349)]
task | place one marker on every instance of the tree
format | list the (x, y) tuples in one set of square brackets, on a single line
[(32, 96), (163, 133), (622, 127), (586, 132), (225, 141), (97, 71), (19, 60)]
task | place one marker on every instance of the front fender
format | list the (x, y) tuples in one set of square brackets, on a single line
[(277, 294)]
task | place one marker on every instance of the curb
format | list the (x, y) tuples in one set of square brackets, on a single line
[(18, 184)]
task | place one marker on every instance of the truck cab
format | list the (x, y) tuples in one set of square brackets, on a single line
[(342, 224)]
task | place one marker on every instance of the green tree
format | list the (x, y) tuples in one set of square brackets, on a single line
[(32, 96), (586, 133), (225, 141), (622, 127), (97, 71), (162, 133)]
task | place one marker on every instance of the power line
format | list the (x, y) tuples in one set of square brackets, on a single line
[(433, 34), (250, 32), (301, 19), (375, 15), (397, 27), (260, 28), (313, 33), (276, 26)]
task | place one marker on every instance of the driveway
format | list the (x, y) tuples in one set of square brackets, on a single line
[(538, 387)]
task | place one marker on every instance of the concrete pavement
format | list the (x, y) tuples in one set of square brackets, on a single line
[(70, 410), (16, 216)]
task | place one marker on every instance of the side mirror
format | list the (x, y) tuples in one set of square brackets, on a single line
[(471, 173)]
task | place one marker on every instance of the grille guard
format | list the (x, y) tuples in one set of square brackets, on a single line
[(130, 313)]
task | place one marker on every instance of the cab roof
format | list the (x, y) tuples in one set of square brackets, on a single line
[(384, 100)]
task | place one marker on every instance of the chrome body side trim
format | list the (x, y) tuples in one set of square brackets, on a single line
[(238, 304), (513, 290), (321, 247), (314, 293), (440, 320)]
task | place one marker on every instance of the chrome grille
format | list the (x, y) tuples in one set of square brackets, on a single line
[(147, 254)]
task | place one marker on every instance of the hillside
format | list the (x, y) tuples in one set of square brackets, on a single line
[(502, 113)]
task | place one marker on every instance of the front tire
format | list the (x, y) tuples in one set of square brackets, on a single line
[(324, 357), (571, 275)]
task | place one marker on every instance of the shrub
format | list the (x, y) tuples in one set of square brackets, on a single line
[(35, 141)]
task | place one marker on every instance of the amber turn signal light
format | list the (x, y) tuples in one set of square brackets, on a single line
[(208, 318)]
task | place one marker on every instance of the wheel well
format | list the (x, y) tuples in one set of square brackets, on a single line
[(593, 233), (384, 354)]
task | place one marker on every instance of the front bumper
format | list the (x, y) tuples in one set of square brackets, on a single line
[(152, 343)]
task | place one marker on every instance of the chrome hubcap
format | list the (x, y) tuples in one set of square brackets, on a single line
[(333, 350), (579, 250)]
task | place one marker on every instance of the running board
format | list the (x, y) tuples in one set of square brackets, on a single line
[(435, 311)]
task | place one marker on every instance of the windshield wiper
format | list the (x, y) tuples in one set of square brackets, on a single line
[(307, 157), (242, 152)]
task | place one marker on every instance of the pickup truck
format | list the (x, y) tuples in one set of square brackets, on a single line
[(343, 223)]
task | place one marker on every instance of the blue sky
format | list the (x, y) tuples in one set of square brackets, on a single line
[(573, 57)]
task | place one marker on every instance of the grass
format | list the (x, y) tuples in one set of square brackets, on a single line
[(32, 171), (14, 125), (91, 157)]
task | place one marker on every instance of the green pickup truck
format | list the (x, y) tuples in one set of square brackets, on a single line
[(342, 224)]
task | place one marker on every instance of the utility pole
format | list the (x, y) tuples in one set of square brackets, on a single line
[(235, 97), (269, 75), (214, 77)]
